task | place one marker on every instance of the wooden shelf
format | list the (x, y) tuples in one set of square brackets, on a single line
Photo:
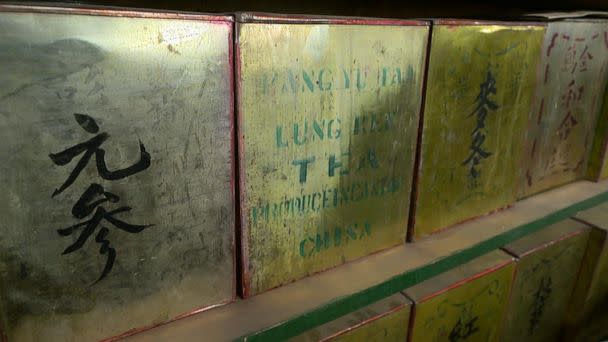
[(289, 310)]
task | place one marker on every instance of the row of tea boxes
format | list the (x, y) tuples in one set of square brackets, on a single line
[(157, 164), (548, 286)]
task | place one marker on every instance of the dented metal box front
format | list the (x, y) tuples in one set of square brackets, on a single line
[(328, 115), (567, 102), (479, 91), (116, 170), (466, 303), (385, 320), (545, 275)]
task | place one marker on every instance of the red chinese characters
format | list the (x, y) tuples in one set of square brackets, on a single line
[(564, 116)]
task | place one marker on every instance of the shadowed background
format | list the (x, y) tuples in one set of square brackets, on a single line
[(376, 8)]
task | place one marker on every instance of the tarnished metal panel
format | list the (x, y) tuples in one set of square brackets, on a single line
[(116, 170), (328, 116), (479, 90), (385, 320), (466, 303), (568, 98), (598, 161), (545, 274)]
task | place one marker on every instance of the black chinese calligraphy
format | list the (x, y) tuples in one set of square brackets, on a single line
[(483, 105), (90, 148), (538, 304), (95, 195), (463, 329)]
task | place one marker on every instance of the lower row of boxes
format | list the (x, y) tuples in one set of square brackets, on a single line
[(543, 287)]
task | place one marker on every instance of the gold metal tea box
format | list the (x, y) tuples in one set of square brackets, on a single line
[(479, 90), (385, 320), (590, 296), (466, 303), (328, 115), (597, 168), (568, 98), (545, 274), (117, 202)]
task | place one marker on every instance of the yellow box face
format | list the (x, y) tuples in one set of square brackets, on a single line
[(569, 94), (386, 320), (598, 290), (479, 91), (598, 160), (117, 204), (388, 328), (592, 287), (471, 311), (328, 117), (543, 285)]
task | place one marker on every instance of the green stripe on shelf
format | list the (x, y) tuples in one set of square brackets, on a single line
[(344, 305)]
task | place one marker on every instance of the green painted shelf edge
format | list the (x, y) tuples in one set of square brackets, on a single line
[(347, 304)]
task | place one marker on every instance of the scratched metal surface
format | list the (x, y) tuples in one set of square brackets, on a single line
[(162, 83), (464, 308), (568, 98), (466, 60), (385, 320), (545, 276), (317, 91)]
